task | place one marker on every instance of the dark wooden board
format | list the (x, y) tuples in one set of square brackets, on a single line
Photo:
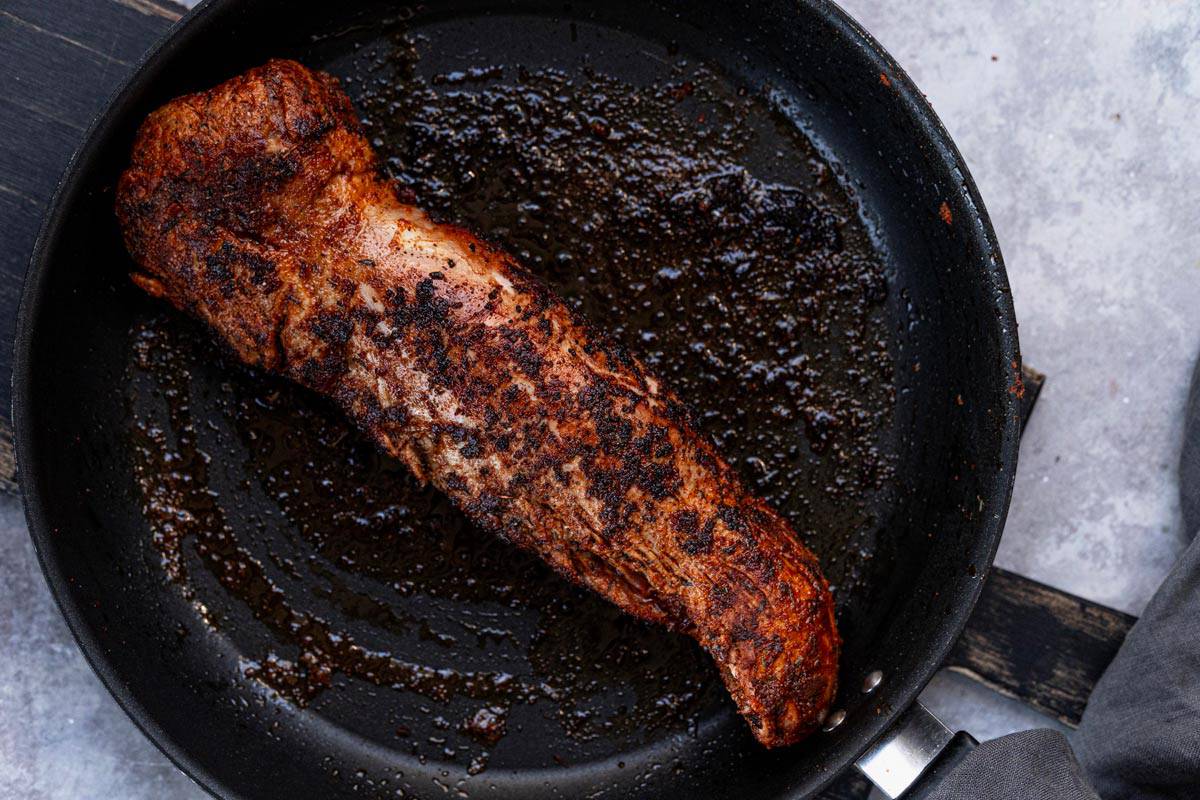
[(1046, 647), (61, 60), (1031, 382)]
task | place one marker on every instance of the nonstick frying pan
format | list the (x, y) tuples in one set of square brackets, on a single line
[(187, 674)]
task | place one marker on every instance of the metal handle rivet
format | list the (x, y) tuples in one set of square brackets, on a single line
[(872, 681), (833, 720)]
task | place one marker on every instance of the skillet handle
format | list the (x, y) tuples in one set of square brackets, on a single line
[(913, 756)]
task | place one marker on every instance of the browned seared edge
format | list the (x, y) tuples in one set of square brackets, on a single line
[(256, 206)]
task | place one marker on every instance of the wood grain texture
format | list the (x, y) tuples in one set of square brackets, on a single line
[(1032, 642), (60, 61)]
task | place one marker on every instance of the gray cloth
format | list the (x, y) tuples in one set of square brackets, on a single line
[(1031, 765), (1189, 459), (1140, 735)]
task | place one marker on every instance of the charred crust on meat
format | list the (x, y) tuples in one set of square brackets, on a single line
[(322, 372), (732, 517), (396, 416), (254, 207), (471, 447), (331, 327), (487, 506), (757, 563), (218, 267), (521, 349), (692, 538), (721, 598)]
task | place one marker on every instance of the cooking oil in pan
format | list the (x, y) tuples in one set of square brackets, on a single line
[(755, 293)]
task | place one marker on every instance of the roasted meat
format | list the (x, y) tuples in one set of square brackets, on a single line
[(257, 207)]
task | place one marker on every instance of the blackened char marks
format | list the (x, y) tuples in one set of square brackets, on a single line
[(429, 307), (471, 447), (623, 470), (613, 429), (540, 429), (232, 268), (763, 299), (248, 183), (321, 372), (733, 519), (521, 350), (262, 272), (658, 480), (535, 297), (331, 327), (693, 539), (219, 270)]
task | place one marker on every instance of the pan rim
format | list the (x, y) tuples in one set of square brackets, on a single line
[(209, 12), (69, 186)]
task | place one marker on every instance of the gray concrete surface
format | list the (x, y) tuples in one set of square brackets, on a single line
[(1078, 120)]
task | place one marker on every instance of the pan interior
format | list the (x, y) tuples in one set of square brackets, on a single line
[(239, 556)]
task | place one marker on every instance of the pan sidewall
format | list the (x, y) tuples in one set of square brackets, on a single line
[(867, 721)]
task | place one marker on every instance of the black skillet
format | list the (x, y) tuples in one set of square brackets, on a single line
[(953, 339)]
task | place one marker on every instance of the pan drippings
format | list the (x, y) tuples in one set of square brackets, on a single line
[(757, 296)]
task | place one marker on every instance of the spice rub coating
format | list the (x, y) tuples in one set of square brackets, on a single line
[(257, 207)]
